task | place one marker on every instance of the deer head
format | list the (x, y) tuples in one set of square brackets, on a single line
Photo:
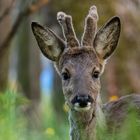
[(80, 65)]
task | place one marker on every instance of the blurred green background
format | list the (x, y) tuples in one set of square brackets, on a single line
[(31, 100)]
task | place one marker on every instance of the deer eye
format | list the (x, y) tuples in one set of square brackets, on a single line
[(95, 74), (65, 76)]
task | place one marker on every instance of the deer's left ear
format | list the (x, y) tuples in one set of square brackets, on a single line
[(107, 37)]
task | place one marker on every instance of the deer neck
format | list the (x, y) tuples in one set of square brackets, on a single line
[(83, 125), (80, 127)]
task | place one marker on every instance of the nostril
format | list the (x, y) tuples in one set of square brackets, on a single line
[(82, 100)]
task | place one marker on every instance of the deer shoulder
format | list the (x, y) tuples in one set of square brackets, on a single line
[(116, 112)]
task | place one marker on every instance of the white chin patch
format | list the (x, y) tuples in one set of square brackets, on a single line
[(78, 108)]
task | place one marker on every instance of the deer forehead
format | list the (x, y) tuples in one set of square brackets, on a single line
[(80, 58)]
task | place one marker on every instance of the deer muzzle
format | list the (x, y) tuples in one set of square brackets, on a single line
[(82, 102)]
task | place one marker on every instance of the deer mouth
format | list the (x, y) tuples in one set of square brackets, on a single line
[(82, 102), (80, 108)]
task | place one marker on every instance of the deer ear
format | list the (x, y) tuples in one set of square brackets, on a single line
[(50, 45), (107, 37)]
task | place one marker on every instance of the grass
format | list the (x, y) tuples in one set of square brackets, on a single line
[(14, 125)]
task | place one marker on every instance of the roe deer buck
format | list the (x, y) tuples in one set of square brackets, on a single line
[(80, 66)]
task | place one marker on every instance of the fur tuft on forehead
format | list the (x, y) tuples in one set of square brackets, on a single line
[(78, 52), (74, 51)]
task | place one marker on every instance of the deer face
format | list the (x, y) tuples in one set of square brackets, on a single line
[(80, 72), (79, 65)]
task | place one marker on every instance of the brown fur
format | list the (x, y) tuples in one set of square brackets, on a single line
[(80, 62)]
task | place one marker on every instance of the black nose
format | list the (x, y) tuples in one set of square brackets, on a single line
[(82, 100)]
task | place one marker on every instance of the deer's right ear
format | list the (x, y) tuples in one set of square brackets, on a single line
[(50, 45)]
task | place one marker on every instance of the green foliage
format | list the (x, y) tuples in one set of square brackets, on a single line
[(12, 127), (54, 128), (13, 124)]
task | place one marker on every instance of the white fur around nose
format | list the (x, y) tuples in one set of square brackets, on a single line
[(78, 108)]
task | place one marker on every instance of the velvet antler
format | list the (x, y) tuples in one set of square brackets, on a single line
[(65, 22), (90, 27)]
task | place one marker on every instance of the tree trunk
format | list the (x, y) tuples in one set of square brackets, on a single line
[(23, 58), (29, 72), (4, 55)]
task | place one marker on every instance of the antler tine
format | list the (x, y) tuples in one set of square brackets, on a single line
[(90, 27), (65, 22)]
